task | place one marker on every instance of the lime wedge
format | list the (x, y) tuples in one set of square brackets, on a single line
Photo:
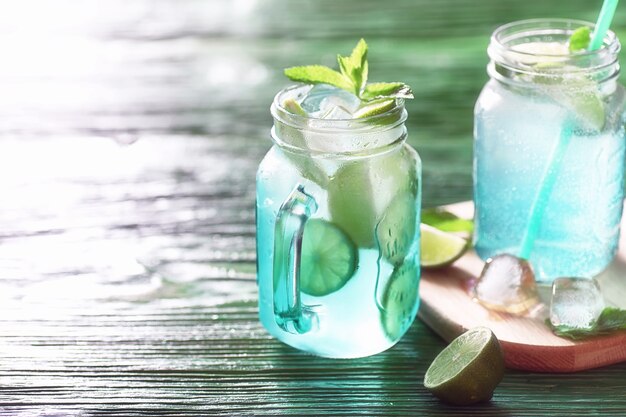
[(577, 94), (352, 203), (375, 108), (292, 106), (396, 231), (468, 370), (439, 248), (329, 258), (582, 97), (361, 191), (399, 301)]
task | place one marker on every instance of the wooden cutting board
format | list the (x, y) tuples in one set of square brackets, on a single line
[(528, 344)]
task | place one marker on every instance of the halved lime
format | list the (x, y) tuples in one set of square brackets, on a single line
[(329, 258), (395, 233), (399, 301), (439, 248), (375, 108), (468, 370)]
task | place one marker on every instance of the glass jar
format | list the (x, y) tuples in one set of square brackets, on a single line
[(549, 150), (338, 207)]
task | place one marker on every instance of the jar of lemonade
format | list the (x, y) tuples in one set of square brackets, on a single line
[(549, 133), (338, 207)]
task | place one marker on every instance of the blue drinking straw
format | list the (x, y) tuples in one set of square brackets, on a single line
[(540, 202), (602, 25)]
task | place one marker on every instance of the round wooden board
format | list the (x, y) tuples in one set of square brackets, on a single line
[(528, 343)]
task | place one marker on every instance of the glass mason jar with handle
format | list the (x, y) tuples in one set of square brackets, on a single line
[(338, 207), (549, 150)]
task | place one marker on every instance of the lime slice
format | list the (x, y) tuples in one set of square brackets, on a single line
[(577, 94), (468, 370), (352, 203), (375, 108), (329, 258), (361, 191), (582, 97), (439, 248), (396, 231), (292, 106), (400, 300)]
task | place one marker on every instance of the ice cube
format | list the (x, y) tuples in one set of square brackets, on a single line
[(576, 302), (336, 113), (312, 102), (321, 99), (507, 284), (341, 98)]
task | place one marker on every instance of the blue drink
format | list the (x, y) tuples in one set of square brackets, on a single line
[(538, 91), (349, 192)]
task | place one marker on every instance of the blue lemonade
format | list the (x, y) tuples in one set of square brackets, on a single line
[(359, 184), (538, 89)]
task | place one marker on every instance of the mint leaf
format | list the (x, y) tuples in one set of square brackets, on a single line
[(611, 319), (375, 91), (319, 74), (355, 67), (580, 39), (352, 77), (446, 221)]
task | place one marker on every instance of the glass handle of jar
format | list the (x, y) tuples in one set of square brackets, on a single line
[(289, 312)]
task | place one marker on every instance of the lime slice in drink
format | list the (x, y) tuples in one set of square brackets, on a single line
[(582, 97), (352, 203), (396, 231), (468, 370), (374, 109), (361, 191), (439, 248), (292, 106), (329, 258), (399, 301)]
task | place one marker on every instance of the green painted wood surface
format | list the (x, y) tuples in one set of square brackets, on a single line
[(127, 275)]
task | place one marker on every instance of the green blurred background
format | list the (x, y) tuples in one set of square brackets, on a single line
[(437, 47)]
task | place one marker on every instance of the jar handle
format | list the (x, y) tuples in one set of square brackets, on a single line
[(289, 313)]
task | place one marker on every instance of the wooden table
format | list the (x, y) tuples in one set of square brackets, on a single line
[(129, 137)]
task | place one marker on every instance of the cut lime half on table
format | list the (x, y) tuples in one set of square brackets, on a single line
[(439, 249), (468, 370), (399, 301), (329, 258)]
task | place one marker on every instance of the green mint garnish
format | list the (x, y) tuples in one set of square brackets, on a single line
[(446, 221), (352, 77), (611, 319), (580, 39)]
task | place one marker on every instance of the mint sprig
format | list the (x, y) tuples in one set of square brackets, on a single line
[(611, 319), (352, 77), (580, 39)]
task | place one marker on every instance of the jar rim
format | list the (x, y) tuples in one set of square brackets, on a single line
[(379, 122), (330, 138), (600, 64)]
